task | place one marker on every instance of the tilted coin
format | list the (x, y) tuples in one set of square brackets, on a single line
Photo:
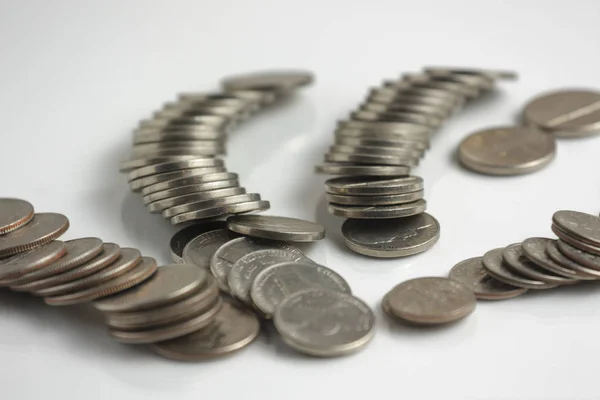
[(247, 268), (471, 273), (494, 264), (190, 180), (388, 238), (199, 251), (447, 83), (43, 228), (277, 81), (491, 73), (279, 281), (406, 106), (130, 165), (169, 284), (481, 82), (362, 170), (449, 106), (565, 113), (396, 116), (516, 260), (276, 228), (213, 121), (237, 208), (174, 202), (262, 97), (377, 150), (163, 135), (535, 250), (148, 149), (21, 264), (180, 187), (510, 150), (379, 200), (363, 186), (392, 87), (372, 159), (399, 136), (197, 206), (378, 212), (430, 301), (390, 142), (581, 257), (582, 271), (233, 328), (324, 323), (182, 237), (14, 213), (407, 127), (171, 166), (235, 112), (581, 245), (581, 226), (139, 184)]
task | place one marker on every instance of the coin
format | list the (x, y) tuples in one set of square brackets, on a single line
[(471, 273), (14, 213), (237, 208), (278, 281), (276, 81), (130, 165), (430, 301), (43, 228), (509, 150), (516, 260), (199, 251), (382, 200), (479, 81), (389, 238), (172, 331), (162, 148), (491, 73), (494, 264), (139, 184), (247, 268), (396, 116), (161, 135), (377, 150), (366, 186), (171, 166), (189, 180), (407, 127), (398, 136), (141, 272), (362, 170), (581, 257), (182, 237), (23, 263), (198, 206), (323, 323), (174, 202), (232, 329), (371, 159), (449, 82), (378, 212), (180, 187), (392, 88), (261, 97), (535, 250), (582, 271), (449, 106), (169, 284), (581, 226), (407, 106), (276, 228), (565, 113), (391, 142), (581, 245)]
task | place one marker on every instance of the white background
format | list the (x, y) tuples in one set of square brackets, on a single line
[(76, 76)]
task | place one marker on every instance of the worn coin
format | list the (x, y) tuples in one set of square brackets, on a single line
[(43, 228), (276, 81), (380, 200), (581, 245), (390, 142), (494, 264), (362, 170), (182, 237), (378, 212), (232, 329), (471, 273), (509, 150), (535, 250), (581, 257), (171, 166), (199, 251), (581, 226), (174, 202), (278, 281), (565, 113), (198, 206), (324, 323), (276, 228), (430, 301), (237, 208), (388, 238), (130, 165), (516, 260), (582, 271), (138, 184), (14, 213), (180, 187), (367, 186), (372, 159), (21, 264)]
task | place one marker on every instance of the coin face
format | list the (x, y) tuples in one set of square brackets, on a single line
[(278, 281), (14, 213), (581, 226), (378, 200), (535, 250), (276, 228), (430, 301), (507, 151), (185, 235), (494, 264), (378, 212), (367, 186), (199, 251), (324, 323), (586, 259), (43, 228), (20, 264), (565, 113), (362, 170), (516, 260), (232, 329), (276, 81), (388, 238), (471, 273)]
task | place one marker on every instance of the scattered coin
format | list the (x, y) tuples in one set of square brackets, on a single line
[(276, 228), (24, 263), (182, 237), (43, 228), (362, 170), (373, 186), (379, 212), (237, 208), (199, 251), (581, 226), (14, 213), (494, 264)]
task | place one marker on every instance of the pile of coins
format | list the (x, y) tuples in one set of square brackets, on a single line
[(274, 278), (174, 160), (377, 147)]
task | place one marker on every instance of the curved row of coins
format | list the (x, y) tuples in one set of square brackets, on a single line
[(175, 162), (380, 142), (252, 260)]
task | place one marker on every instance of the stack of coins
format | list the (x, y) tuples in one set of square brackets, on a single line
[(174, 160), (381, 141), (262, 270)]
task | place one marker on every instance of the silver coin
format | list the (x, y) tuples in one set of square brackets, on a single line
[(377, 150), (378, 212), (582, 271), (565, 113), (189, 181), (172, 166), (406, 127), (480, 82), (377, 200), (362, 170), (471, 273), (157, 136), (490, 73), (246, 269), (173, 202), (14, 213), (198, 206), (130, 165), (323, 323), (390, 142), (581, 226), (236, 208), (581, 245), (276, 228), (23, 263), (168, 148), (277, 81), (236, 112), (367, 186), (371, 159), (516, 260), (413, 97), (407, 106), (535, 250), (507, 151), (182, 237), (581, 257), (382, 134), (262, 97), (43, 228), (396, 116), (228, 254), (430, 89), (138, 184), (443, 82), (430, 301), (213, 121), (279, 281), (204, 130), (200, 250), (391, 237), (494, 264), (188, 189)]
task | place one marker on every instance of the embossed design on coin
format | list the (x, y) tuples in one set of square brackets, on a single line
[(43, 228), (185, 235), (276, 228), (14, 213), (200, 250), (581, 226)]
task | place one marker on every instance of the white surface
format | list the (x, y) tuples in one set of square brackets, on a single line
[(76, 76)]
